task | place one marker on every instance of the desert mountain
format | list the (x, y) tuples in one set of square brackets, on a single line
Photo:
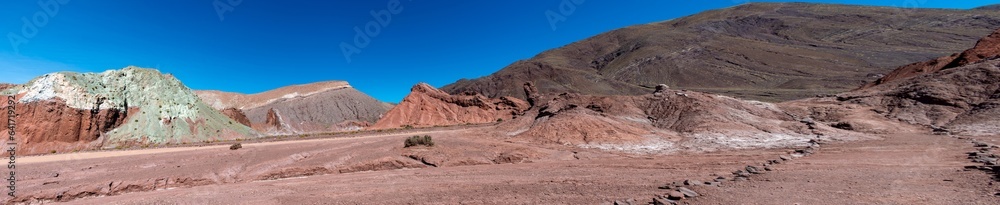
[(960, 92), (426, 106), (986, 48), (763, 51), (311, 108), (68, 111)]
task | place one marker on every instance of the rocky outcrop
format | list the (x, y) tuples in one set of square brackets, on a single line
[(664, 121), (51, 126), (311, 108), (962, 98), (986, 48), (960, 93), (273, 123), (118, 108), (759, 51), (427, 106), (237, 115)]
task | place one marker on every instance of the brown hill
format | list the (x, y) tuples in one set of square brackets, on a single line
[(426, 106), (311, 108), (764, 51), (988, 47), (961, 91), (965, 99)]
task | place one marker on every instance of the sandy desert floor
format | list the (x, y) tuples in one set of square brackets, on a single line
[(466, 168)]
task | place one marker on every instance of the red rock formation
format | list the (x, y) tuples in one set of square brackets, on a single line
[(273, 120), (427, 106), (237, 115), (46, 126), (988, 47)]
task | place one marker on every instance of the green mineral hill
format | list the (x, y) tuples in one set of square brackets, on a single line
[(168, 111)]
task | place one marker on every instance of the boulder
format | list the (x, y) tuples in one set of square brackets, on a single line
[(785, 157), (688, 192), (663, 201), (691, 182), (675, 195)]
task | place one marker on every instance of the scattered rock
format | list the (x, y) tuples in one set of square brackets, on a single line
[(667, 187), (675, 195), (660, 89), (753, 170), (691, 182), (785, 158), (688, 192), (627, 202), (663, 201), (940, 130)]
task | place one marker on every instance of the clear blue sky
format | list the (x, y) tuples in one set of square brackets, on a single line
[(260, 45)]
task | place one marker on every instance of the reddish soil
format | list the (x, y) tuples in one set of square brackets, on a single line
[(461, 168), (902, 169), (465, 168)]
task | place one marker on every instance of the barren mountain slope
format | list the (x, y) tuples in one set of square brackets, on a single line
[(311, 108), (965, 99), (961, 91), (986, 48), (764, 51)]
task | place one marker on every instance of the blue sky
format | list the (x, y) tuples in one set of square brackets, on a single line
[(257, 45)]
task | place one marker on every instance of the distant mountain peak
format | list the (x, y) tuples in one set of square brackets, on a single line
[(989, 7)]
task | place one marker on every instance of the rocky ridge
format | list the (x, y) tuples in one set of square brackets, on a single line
[(427, 106), (302, 109), (958, 94), (760, 51), (133, 106)]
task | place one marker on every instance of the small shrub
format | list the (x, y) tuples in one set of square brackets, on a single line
[(499, 119), (426, 140), (407, 126), (236, 146)]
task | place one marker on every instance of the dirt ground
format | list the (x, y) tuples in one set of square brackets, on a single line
[(902, 169), (467, 168)]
